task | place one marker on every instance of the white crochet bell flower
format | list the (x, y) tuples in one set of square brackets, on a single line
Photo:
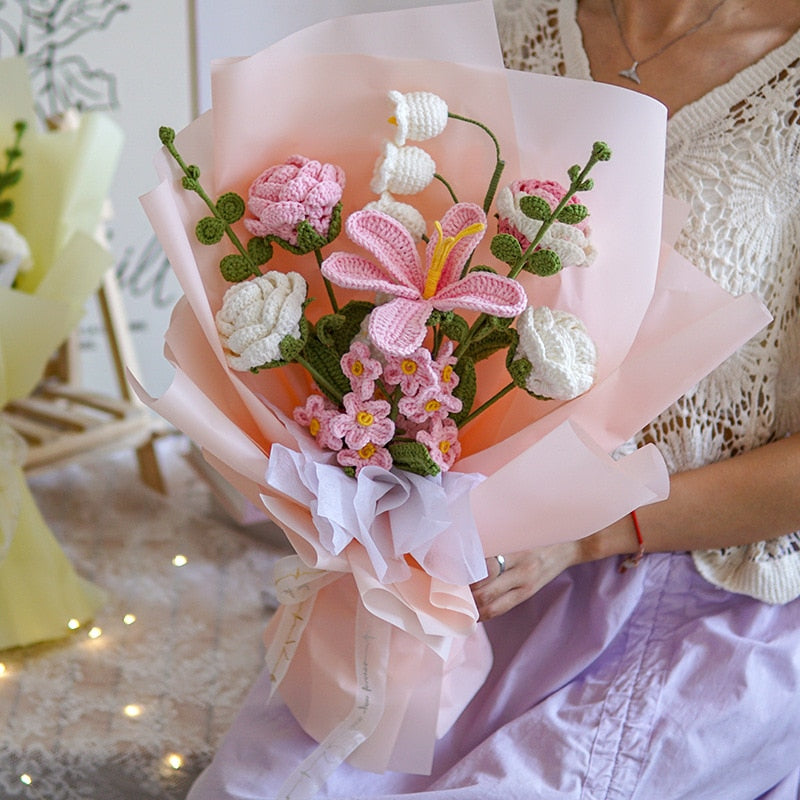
[(570, 243), (402, 170), (561, 352), (257, 314), (408, 216), (418, 116), (15, 254)]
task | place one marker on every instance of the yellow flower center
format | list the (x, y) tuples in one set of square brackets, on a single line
[(447, 373), (441, 251), (408, 366), (444, 446), (367, 451), (364, 418), (432, 405), (313, 426), (357, 368)]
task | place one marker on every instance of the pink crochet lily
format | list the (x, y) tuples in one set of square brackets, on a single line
[(398, 327)]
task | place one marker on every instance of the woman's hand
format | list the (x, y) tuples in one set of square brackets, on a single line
[(524, 574)]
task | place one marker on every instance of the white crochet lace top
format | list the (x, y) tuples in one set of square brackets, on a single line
[(734, 155)]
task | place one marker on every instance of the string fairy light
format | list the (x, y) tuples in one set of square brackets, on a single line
[(95, 633), (73, 624), (180, 560), (132, 710), (129, 619), (174, 760), (26, 779)]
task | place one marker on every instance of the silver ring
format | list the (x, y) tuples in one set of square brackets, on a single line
[(501, 562)]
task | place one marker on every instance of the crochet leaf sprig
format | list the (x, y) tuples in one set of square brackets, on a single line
[(11, 175)]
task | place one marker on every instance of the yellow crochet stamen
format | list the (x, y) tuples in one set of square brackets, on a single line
[(313, 426), (444, 446), (357, 369), (408, 366), (364, 418), (367, 451), (432, 405), (443, 247)]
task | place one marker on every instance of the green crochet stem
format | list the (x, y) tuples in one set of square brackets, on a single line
[(499, 163), (9, 176), (192, 183), (328, 286), (447, 186), (490, 402)]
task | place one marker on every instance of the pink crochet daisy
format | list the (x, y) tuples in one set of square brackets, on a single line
[(398, 327), (363, 421), (442, 442), (410, 372), (361, 370), (316, 415), (430, 403), (366, 456), (443, 366)]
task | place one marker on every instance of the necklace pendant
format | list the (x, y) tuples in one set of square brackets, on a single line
[(631, 74)]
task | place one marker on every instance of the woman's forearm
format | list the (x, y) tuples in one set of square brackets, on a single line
[(745, 499)]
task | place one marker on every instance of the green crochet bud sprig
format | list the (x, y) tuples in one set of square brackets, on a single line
[(11, 175), (489, 334), (228, 209)]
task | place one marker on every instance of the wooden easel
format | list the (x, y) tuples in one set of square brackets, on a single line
[(62, 422)]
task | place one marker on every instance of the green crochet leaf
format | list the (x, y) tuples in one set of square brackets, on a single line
[(496, 339), (353, 313), (292, 347), (6, 208), (455, 327), (573, 213), (209, 230), (586, 186), (235, 268), (10, 178), (520, 370), (259, 249), (543, 263), (467, 387), (230, 207), (335, 227), (308, 239), (413, 457), (325, 361), (506, 248), (535, 207)]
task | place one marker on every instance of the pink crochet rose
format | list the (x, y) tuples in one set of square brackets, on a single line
[(281, 197)]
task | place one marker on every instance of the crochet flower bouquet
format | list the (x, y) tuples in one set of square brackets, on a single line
[(52, 188), (415, 342)]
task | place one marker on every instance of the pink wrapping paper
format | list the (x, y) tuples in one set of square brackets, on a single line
[(319, 94)]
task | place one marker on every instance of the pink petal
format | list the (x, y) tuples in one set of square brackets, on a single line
[(483, 291), (457, 217), (352, 271), (398, 327), (390, 243)]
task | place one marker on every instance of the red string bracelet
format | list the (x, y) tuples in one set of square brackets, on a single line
[(634, 559)]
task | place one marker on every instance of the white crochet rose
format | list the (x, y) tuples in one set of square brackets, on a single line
[(257, 314), (15, 254), (570, 243), (405, 214), (402, 170), (418, 116), (561, 352)]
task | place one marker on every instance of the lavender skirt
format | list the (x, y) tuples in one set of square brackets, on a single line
[(652, 685)]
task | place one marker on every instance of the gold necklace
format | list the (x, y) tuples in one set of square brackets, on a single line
[(631, 73)]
